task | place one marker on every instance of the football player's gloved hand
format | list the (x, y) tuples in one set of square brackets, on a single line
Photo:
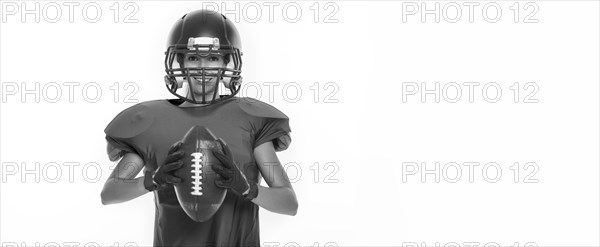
[(231, 176), (164, 175)]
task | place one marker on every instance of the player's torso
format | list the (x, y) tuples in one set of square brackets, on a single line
[(171, 122)]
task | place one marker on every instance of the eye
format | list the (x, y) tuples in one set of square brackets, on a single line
[(193, 58), (214, 58)]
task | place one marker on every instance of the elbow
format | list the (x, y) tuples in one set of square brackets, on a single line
[(104, 198), (294, 210), (108, 199), (105, 195), (294, 205)]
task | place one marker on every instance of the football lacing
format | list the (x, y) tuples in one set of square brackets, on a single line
[(197, 174)]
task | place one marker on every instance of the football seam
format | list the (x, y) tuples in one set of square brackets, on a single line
[(196, 174)]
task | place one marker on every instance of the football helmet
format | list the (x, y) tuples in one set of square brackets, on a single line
[(203, 33)]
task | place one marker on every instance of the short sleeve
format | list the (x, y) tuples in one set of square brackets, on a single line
[(276, 130), (122, 131), (116, 148)]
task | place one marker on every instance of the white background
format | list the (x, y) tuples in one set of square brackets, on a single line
[(367, 136)]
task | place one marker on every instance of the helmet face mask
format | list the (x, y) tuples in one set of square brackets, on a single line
[(203, 34)]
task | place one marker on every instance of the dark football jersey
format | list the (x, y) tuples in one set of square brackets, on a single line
[(150, 128)]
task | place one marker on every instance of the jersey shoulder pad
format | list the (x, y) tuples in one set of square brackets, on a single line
[(132, 121), (257, 108)]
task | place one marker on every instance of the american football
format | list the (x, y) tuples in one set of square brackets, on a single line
[(197, 194)]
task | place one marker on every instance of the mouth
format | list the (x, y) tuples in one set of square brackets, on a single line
[(198, 80), (204, 87)]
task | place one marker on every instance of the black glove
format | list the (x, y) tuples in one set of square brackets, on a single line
[(231, 176), (164, 175)]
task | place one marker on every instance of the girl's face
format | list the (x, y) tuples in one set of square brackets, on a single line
[(211, 78)]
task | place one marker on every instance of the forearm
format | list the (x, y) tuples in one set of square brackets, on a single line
[(278, 200), (118, 190)]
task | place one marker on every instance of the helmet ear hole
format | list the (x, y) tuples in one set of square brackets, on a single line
[(176, 81), (229, 82)]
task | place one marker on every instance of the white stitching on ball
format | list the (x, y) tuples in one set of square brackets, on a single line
[(197, 174)]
